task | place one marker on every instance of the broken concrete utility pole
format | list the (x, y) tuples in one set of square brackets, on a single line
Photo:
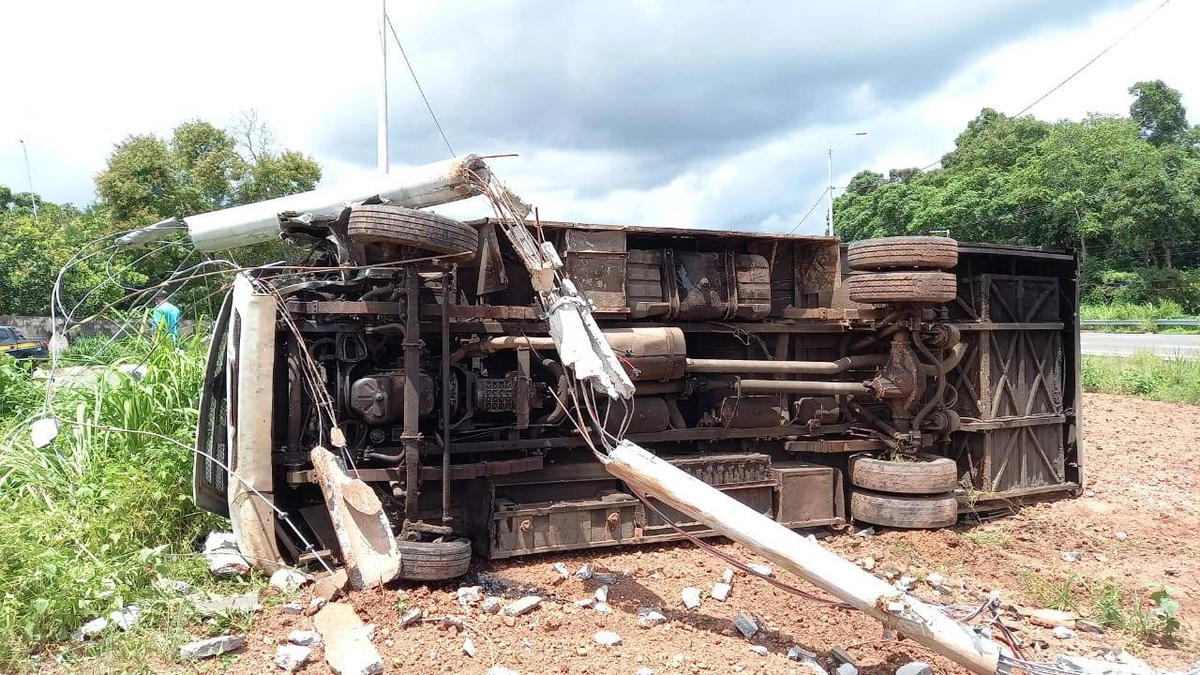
[(806, 559)]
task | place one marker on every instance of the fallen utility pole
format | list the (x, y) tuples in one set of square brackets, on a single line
[(806, 559)]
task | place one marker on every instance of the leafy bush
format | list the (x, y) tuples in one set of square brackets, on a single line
[(1143, 375)]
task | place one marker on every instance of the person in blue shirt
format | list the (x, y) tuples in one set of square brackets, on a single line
[(166, 316)]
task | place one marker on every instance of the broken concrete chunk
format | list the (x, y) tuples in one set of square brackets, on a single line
[(727, 576), (367, 631), (865, 532), (649, 617), (91, 629), (586, 602), (1121, 536), (1069, 556), (561, 570), (288, 580), (585, 571), (867, 563), (762, 570), (1049, 618), (314, 606), (915, 668), (224, 558), (501, 670), (292, 608), (604, 578), (329, 587), (125, 617), (469, 647), (203, 649), (1062, 633), (905, 583), (522, 606), (720, 591), (935, 579), (213, 604), (607, 638), (601, 594), (172, 585), (490, 605), (291, 658), (469, 595), (348, 651), (798, 653), (691, 597), (603, 608), (359, 521), (745, 624), (410, 617), (760, 650), (847, 669), (304, 638), (643, 671)]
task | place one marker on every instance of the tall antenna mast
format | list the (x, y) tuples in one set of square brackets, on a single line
[(29, 177), (383, 90)]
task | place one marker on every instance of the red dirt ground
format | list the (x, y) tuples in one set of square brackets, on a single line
[(1143, 478)]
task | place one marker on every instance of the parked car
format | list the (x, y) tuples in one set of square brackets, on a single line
[(21, 348)]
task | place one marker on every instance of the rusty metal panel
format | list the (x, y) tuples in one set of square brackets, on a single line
[(596, 262), (759, 497), (1013, 458), (523, 529), (807, 493), (1026, 374)]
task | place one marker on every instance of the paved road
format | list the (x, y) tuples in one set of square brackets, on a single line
[(1125, 344)]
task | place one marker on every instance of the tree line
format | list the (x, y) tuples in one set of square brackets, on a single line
[(147, 178), (1123, 190)]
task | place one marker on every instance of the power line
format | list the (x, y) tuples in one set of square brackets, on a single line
[(1082, 68), (419, 88), (810, 211)]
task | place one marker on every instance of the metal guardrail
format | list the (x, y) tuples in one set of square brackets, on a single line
[(1135, 322)]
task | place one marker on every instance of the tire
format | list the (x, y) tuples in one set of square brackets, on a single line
[(439, 561), (891, 287), (924, 253), (925, 475), (400, 226), (907, 512)]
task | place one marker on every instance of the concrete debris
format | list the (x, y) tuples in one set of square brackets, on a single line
[(359, 521), (746, 625), (293, 608), (329, 587), (125, 617), (203, 649), (691, 597), (469, 595), (224, 558), (760, 650), (213, 604), (727, 576), (601, 594), (798, 653), (603, 608), (348, 651), (451, 620), (604, 577), (501, 670), (935, 579), (1069, 556), (586, 602), (172, 585), (1062, 633), (650, 617), (290, 658), (490, 605), (562, 571), (410, 617), (643, 671), (1089, 627), (762, 570), (905, 583), (720, 591), (1121, 536), (522, 606), (847, 669), (915, 668), (865, 532), (288, 580), (304, 638), (91, 629), (469, 647), (314, 606), (607, 638), (1049, 618), (867, 563), (1086, 666), (367, 631), (585, 571)]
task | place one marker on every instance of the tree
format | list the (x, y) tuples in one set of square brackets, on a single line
[(200, 168), (1159, 110)]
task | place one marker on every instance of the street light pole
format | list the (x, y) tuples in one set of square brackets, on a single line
[(381, 121), (29, 177), (829, 169)]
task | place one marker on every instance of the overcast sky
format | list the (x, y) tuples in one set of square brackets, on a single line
[(699, 114)]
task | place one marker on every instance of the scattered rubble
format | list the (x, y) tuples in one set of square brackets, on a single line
[(865, 532), (172, 585), (224, 558), (501, 670), (720, 591), (727, 576), (607, 638), (1062, 633), (601, 594), (523, 606), (469, 595), (293, 608), (1121, 536), (585, 602), (91, 629), (691, 597), (760, 650), (867, 563), (490, 605), (643, 671), (1089, 627), (915, 668), (288, 580), (847, 669), (650, 617), (203, 649), (562, 571), (762, 570), (348, 651), (212, 604), (585, 571), (410, 617), (329, 587), (746, 625), (1069, 556), (291, 658), (304, 638), (125, 617), (603, 608), (315, 606), (469, 647), (1048, 618)]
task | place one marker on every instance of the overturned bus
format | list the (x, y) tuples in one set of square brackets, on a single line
[(900, 382)]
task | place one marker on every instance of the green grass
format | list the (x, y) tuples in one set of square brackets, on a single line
[(87, 523), (1143, 375), (1146, 313), (1107, 602), (990, 537)]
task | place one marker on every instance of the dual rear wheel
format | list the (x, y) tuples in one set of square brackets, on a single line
[(913, 493)]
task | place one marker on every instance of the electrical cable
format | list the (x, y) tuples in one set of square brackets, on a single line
[(418, 83)]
